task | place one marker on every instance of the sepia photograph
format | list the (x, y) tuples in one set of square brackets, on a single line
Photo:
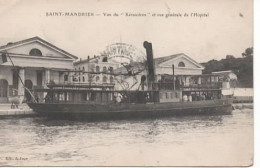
[(126, 83)]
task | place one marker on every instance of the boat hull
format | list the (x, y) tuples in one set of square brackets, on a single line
[(102, 111)]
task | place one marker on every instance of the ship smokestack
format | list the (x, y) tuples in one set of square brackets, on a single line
[(150, 63)]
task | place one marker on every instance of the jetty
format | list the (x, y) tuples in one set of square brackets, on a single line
[(22, 111)]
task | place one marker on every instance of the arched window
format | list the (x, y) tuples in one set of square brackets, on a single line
[(97, 68), (104, 69), (111, 69), (97, 79), (28, 84), (3, 88), (35, 52), (181, 64), (111, 79), (83, 79), (83, 68), (104, 79)]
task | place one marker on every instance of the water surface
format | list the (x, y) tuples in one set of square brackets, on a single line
[(175, 141)]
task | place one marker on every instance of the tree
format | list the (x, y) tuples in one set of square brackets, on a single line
[(242, 67), (229, 57), (248, 52)]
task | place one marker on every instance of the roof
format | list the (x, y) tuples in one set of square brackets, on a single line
[(136, 67), (228, 74), (161, 60), (167, 58), (88, 60), (36, 38), (222, 72)]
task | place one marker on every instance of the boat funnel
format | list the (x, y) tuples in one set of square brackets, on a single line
[(150, 64)]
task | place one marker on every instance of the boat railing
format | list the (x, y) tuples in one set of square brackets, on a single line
[(38, 87), (65, 85), (203, 86), (171, 86)]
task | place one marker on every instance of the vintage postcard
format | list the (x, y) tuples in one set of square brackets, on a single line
[(126, 83)]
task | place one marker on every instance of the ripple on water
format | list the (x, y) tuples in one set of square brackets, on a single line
[(70, 142)]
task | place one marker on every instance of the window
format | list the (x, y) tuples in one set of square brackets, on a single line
[(35, 52), (181, 64), (104, 69), (66, 77), (111, 79), (28, 84), (97, 79), (97, 68), (83, 79), (83, 68), (166, 95), (104, 79), (172, 96), (3, 88), (79, 70), (104, 59)]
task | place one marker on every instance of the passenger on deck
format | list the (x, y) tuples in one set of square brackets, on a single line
[(185, 98), (36, 98), (118, 99), (203, 97), (190, 98), (48, 98)]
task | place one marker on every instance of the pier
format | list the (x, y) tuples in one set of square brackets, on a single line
[(22, 111)]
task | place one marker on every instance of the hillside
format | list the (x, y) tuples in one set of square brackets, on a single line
[(242, 67)]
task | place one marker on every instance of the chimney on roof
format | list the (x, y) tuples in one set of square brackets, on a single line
[(88, 57)]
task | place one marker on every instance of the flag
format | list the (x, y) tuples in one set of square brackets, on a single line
[(3, 58)]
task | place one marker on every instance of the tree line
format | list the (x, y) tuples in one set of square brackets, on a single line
[(242, 67)]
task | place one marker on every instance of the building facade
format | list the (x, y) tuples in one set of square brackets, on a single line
[(105, 71), (36, 63), (94, 71)]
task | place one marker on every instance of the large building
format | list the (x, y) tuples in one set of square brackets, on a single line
[(183, 65), (96, 70), (100, 67), (36, 61)]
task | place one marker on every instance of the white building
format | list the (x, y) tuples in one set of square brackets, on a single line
[(183, 65), (95, 70), (36, 61)]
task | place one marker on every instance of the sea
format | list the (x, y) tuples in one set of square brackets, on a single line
[(198, 140)]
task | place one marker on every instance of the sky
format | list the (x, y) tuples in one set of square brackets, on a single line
[(227, 29)]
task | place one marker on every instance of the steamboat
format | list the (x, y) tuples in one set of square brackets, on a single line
[(164, 97)]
